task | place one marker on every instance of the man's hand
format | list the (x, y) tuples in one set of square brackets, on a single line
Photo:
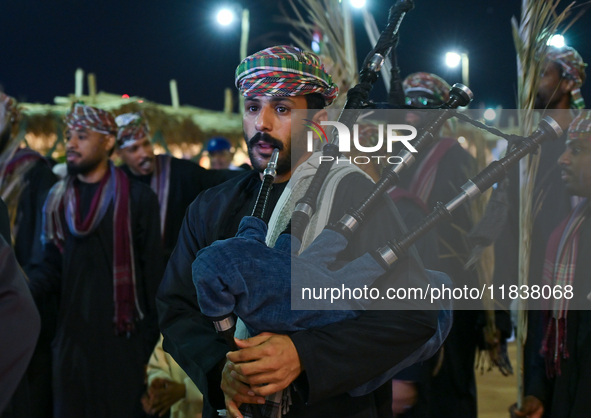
[(404, 396), (163, 394), (532, 408), (236, 393), (267, 363)]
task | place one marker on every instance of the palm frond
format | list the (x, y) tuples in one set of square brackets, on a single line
[(539, 20), (326, 16)]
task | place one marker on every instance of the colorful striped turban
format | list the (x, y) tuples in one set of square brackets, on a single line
[(285, 71), (573, 68), (132, 127), (87, 117), (430, 85), (580, 127)]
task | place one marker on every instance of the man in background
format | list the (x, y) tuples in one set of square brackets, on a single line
[(176, 182), (220, 154), (25, 181), (102, 256)]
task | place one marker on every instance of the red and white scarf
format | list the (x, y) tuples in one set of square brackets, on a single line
[(63, 203), (559, 269)]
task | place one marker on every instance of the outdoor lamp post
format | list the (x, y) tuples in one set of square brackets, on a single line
[(226, 17), (453, 59)]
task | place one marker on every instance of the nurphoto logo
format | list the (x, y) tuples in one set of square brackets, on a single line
[(392, 135)]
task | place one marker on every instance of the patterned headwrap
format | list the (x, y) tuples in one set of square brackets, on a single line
[(573, 68), (285, 71), (132, 126), (8, 110), (87, 117), (427, 83), (580, 127)]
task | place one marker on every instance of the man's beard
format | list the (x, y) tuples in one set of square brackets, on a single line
[(283, 163), (147, 165), (83, 167)]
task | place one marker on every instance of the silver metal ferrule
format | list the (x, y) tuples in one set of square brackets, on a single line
[(407, 160), (271, 169), (457, 201), (465, 89), (471, 189), (305, 208), (224, 324), (387, 255), (349, 222), (376, 62), (552, 124)]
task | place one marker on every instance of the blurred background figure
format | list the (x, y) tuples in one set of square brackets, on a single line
[(170, 389), (20, 321), (176, 181), (25, 181), (220, 154)]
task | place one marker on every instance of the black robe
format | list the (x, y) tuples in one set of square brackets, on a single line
[(452, 391), (27, 248), (19, 328), (568, 394), (555, 206), (187, 180), (337, 358), (97, 373)]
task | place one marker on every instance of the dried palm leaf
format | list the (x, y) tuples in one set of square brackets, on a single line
[(337, 49), (539, 20)]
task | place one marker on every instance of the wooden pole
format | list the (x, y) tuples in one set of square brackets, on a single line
[(79, 91), (350, 55), (228, 101), (245, 31), (92, 87), (174, 94)]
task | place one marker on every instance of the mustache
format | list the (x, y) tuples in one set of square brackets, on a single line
[(146, 159), (72, 153), (265, 137)]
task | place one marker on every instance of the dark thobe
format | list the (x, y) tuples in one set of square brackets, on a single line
[(27, 247), (19, 327), (453, 389), (413, 212), (567, 395), (187, 180), (97, 373), (551, 192), (337, 358)]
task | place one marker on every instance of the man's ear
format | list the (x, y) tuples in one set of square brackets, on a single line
[(110, 143), (567, 85), (321, 115)]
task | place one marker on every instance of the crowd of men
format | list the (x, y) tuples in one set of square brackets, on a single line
[(106, 254)]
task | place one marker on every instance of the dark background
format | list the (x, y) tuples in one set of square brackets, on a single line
[(136, 46)]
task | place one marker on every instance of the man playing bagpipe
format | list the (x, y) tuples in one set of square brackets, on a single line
[(319, 365)]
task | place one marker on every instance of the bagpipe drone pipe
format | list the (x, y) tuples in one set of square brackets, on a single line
[(259, 279), (224, 288)]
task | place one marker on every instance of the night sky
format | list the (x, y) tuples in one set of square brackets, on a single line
[(136, 46)]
